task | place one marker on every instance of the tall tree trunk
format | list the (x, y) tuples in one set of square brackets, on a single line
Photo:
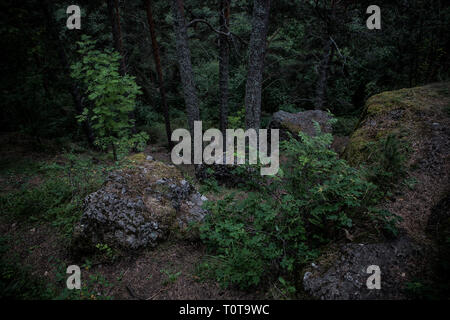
[(224, 62), (321, 86), (114, 17), (184, 60), (74, 90), (257, 50), (324, 65), (162, 89)]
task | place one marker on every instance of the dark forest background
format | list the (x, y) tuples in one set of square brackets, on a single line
[(304, 38), (83, 109)]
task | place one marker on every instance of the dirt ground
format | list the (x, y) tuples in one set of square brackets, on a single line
[(167, 272)]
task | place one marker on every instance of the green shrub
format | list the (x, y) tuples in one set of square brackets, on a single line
[(388, 161), (113, 97), (345, 126), (282, 225)]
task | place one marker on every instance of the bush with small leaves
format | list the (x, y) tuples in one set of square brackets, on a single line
[(113, 97)]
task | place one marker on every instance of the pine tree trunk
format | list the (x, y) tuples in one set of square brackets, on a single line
[(184, 61), (321, 87), (114, 17), (162, 89), (257, 50), (320, 100), (224, 62)]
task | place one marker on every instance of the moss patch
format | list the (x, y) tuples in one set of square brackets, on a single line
[(401, 113)]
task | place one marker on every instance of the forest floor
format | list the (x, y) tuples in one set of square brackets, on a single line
[(36, 248), (35, 238)]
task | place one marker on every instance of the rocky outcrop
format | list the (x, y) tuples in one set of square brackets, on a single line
[(301, 121), (345, 276), (420, 119), (138, 206)]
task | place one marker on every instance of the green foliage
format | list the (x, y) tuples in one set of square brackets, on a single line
[(171, 277), (35, 201), (345, 126), (291, 108), (286, 288), (16, 280), (105, 253), (59, 197), (388, 161), (209, 184), (237, 120), (113, 96), (283, 224), (94, 286)]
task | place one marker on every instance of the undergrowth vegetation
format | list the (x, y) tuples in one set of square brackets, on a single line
[(58, 197), (57, 201), (285, 221)]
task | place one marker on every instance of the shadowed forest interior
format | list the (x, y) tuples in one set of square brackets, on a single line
[(90, 102)]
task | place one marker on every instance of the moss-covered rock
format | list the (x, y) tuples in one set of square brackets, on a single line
[(419, 117), (403, 113)]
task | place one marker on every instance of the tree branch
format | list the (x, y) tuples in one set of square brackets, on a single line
[(228, 34)]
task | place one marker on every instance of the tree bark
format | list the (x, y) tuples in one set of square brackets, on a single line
[(321, 86), (114, 17), (184, 61), (257, 50), (324, 65), (224, 62), (74, 90), (162, 89)]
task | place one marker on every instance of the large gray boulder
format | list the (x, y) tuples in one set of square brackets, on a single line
[(301, 121), (137, 207)]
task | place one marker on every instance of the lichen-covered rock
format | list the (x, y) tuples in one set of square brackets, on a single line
[(343, 275), (138, 206), (301, 121)]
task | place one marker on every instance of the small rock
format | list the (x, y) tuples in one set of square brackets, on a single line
[(307, 276)]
